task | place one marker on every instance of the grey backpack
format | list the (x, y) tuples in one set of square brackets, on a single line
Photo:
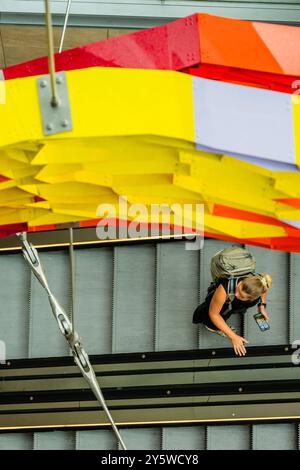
[(232, 263)]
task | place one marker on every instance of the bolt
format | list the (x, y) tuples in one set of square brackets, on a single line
[(58, 80), (31, 398), (233, 414), (43, 84), (8, 363), (213, 353), (49, 127), (143, 356), (240, 389), (286, 348), (168, 392), (65, 123)]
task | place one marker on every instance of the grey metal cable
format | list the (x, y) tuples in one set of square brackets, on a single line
[(65, 25), (51, 61), (80, 356), (72, 267)]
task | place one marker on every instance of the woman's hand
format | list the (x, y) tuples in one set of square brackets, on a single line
[(264, 312), (238, 345)]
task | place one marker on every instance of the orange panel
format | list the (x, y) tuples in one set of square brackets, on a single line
[(294, 202), (261, 46)]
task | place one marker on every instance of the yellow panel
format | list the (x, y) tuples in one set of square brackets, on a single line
[(106, 102), (243, 228), (288, 184)]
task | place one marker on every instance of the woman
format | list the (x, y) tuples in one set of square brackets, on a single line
[(212, 312)]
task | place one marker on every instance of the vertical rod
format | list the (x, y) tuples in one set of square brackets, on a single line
[(51, 62), (71, 253), (65, 26)]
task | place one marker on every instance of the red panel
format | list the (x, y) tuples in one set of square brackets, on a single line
[(43, 228), (288, 244), (11, 229), (4, 178), (284, 83), (294, 202), (172, 47), (226, 211)]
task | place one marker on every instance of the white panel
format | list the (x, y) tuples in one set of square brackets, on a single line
[(244, 120), (293, 223)]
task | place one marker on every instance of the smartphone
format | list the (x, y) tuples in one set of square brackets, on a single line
[(261, 321)]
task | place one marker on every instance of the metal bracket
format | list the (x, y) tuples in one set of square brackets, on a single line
[(56, 119)]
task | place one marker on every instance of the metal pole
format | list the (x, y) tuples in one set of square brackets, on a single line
[(51, 61), (71, 254), (65, 25)]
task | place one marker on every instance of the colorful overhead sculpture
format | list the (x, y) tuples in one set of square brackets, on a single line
[(211, 123)]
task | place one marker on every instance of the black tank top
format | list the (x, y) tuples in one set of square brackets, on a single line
[(236, 304)]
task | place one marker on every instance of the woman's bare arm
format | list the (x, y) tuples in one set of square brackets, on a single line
[(215, 307)]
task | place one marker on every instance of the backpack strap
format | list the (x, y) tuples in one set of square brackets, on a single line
[(231, 286)]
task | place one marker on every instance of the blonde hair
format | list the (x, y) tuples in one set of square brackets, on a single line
[(256, 285)]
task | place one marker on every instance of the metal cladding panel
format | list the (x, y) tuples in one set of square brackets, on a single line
[(54, 440), (176, 294), (275, 263), (275, 436), (95, 440), (146, 13), (190, 437), (228, 437), (133, 298), (136, 298), (14, 293), (142, 439), (16, 441), (44, 337), (93, 298), (294, 296)]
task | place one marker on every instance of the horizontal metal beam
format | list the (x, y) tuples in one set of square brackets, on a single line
[(212, 357), (152, 389), (144, 14), (152, 417), (82, 237)]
